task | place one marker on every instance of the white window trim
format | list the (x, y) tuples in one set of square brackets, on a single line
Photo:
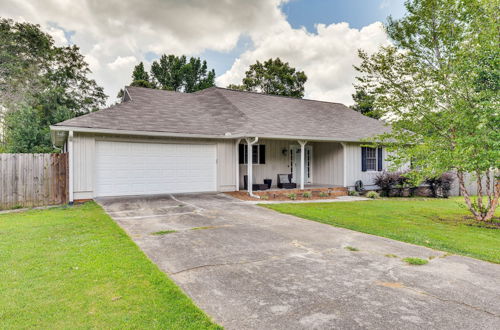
[(374, 158)]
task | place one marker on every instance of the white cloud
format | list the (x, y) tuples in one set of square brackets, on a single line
[(58, 35), (107, 30), (123, 62), (113, 35), (327, 56)]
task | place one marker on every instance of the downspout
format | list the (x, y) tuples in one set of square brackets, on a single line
[(250, 144), (70, 167)]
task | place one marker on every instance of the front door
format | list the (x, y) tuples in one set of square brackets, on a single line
[(295, 163)]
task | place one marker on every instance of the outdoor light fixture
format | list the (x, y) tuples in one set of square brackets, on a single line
[(284, 151)]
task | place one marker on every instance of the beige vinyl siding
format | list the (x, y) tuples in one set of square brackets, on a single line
[(276, 162), (328, 163), (83, 168), (226, 165), (353, 166), (84, 160)]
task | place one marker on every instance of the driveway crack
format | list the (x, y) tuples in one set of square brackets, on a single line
[(225, 264)]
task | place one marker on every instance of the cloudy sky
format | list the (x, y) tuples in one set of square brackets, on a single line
[(320, 37)]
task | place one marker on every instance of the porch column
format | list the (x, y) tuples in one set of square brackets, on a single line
[(302, 161), (250, 144), (237, 169), (70, 168)]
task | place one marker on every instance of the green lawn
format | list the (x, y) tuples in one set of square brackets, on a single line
[(435, 223), (75, 268)]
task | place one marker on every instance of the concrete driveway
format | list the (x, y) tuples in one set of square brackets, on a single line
[(252, 268)]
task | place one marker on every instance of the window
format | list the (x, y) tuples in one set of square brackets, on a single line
[(371, 159), (258, 154)]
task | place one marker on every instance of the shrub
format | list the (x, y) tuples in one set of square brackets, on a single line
[(353, 193), (372, 194), (323, 194), (292, 196), (264, 197), (386, 181), (307, 194), (395, 182), (440, 186)]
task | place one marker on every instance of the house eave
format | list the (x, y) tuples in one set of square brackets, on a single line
[(56, 129)]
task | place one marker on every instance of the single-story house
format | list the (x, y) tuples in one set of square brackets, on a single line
[(158, 141)]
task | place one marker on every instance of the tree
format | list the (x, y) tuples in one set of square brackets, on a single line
[(139, 73), (26, 133), (273, 77), (168, 72), (364, 102), (438, 85), (197, 76), (37, 77), (176, 73)]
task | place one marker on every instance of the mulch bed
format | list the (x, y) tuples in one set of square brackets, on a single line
[(283, 196)]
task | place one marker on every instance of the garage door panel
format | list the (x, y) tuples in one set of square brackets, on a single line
[(126, 168)]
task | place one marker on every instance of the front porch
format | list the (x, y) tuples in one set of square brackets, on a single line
[(314, 167)]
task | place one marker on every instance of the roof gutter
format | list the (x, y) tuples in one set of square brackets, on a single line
[(228, 136)]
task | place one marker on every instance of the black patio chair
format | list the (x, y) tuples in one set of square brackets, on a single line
[(285, 181), (255, 186)]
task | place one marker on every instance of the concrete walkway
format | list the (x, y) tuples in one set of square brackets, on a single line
[(252, 268)]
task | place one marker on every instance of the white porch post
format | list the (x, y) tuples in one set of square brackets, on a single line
[(302, 160), (237, 162), (250, 144), (70, 167)]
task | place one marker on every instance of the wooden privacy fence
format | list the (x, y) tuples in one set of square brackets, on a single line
[(33, 180)]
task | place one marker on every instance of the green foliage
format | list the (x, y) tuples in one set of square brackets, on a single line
[(372, 194), (264, 197), (25, 132), (196, 76), (236, 87), (353, 193), (70, 266), (273, 77), (438, 87), (175, 73), (45, 83), (364, 103), (441, 224), (415, 261), (323, 194), (351, 248), (292, 196), (139, 74), (168, 73), (307, 194)]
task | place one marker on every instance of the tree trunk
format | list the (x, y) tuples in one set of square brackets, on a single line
[(481, 212)]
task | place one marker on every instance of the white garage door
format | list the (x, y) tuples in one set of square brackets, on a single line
[(126, 168)]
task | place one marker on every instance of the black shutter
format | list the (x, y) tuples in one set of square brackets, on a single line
[(241, 153), (363, 159), (379, 159), (262, 152)]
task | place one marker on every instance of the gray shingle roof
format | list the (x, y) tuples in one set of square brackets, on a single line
[(217, 111)]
